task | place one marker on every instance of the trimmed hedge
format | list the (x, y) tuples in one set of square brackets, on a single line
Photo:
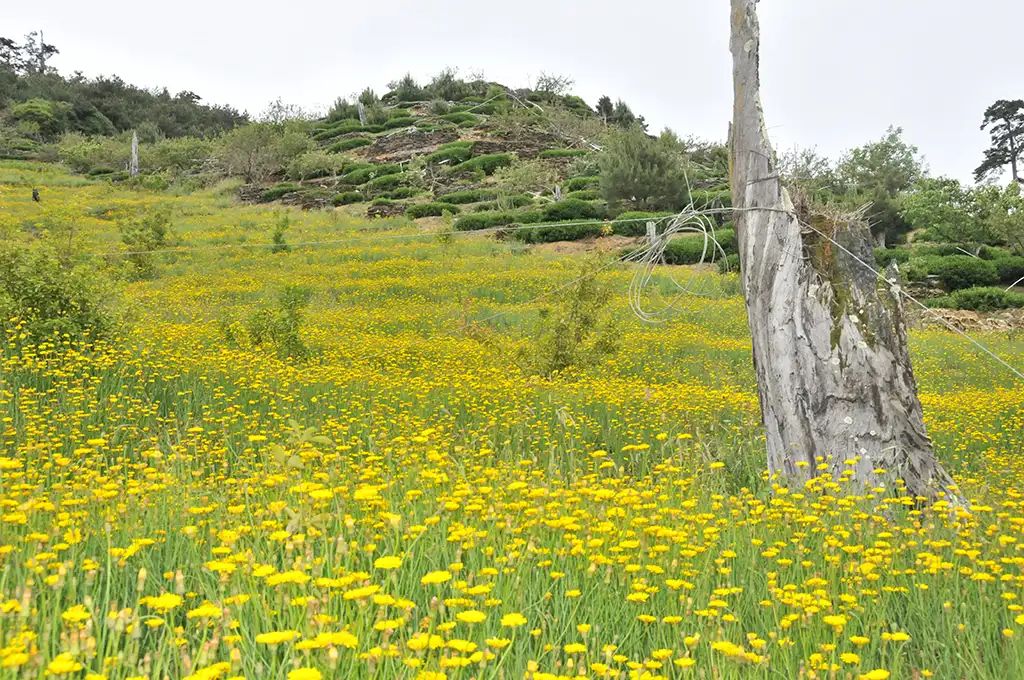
[(349, 144), (460, 117), (386, 182), (488, 220), (469, 196), (401, 192), (562, 153), (979, 300), (488, 163), (885, 256), (729, 264), (545, 233), (430, 210), (572, 209), (710, 198), (347, 197), (1010, 269), (364, 175), (629, 228), (399, 122), (278, 191), (690, 249), (581, 183), (451, 154), (506, 202), (962, 271), (585, 194)]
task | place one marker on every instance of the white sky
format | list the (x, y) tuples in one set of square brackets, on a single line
[(835, 73)]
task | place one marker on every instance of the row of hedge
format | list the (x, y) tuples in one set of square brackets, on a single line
[(571, 209), (957, 272), (987, 299)]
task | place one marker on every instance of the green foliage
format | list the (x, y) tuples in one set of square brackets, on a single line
[(488, 220), (363, 175), (946, 208), (647, 173), (694, 249), (886, 256), (889, 165), (576, 332), (451, 154), (572, 209), (625, 224), (1004, 214), (343, 110), (562, 153), (347, 197), (349, 144), (260, 150), (446, 86), (962, 271), (316, 163), (393, 123), (281, 226), (729, 264), (276, 192), (488, 163), (585, 195), (979, 300), (45, 298), (280, 328), (504, 202), (430, 210), (143, 232), (582, 183), (83, 154), (532, 176), (1011, 269), (544, 233), (469, 196), (406, 89), (1005, 123), (704, 199), (387, 182)]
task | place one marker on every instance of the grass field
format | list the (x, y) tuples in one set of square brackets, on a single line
[(408, 503)]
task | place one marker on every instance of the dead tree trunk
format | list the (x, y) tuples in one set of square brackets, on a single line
[(835, 383), (133, 164)]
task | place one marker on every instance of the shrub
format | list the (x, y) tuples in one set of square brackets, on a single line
[(962, 271), (1010, 269), (489, 220), (143, 232), (626, 225), (726, 239), (44, 298), (648, 173), (572, 209), (386, 182), (562, 153), (430, 210), (505, 203), (401, 192), (585, 195), (348, 144), (690, 250), (281, 328), (488, 163), (581, 183), (347, 197), (729, 263), (886, 256), (363, 175), (460, 117), (393, 123), (979, 300), (469, 196), (314, 164), (282, 189), (710, 198), (544, 233), (450, 154)]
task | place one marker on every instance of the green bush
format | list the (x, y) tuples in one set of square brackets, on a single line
[(363, 175), (398, 123), (710, 198), (544, 233), (461, 117), (572, 209), (625, 224), (469, 196), (962, 271), (488, 163), (505, 202), (726, 239), (979, 300), (488, 220), (562, 153), (585, 194), (314, 164), (690, 250), (885, 256), (281, 328), (729, 263), (44, 298), (100, 171), (282, 189), (430, 210), (347, 197), (581, 183), (143, 232), (387, 182), (450, 154), (1010, 269), (402, 192), (348, 144)]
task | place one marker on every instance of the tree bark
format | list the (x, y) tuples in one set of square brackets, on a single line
[(133, 164), (835, 383)]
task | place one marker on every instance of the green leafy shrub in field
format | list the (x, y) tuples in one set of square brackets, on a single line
[(585, 194), (452, 154), (962, 271), (690, 250), (44, 298), (647, 173), (401, 192), (430, 210), (281, 328), (562, 153), (581, 183), (143, 232), (469, 196), (505, 203), (488, 220), (276, 192), (316, 163), (488, 163), (886, 256), (549, 233), (393, 123), (572, 209), (729, 263), (349, 144), (710, 198), (363, 175), (347, 197), (979, 300), (629, 224), (1011, 269), (281, 226), (387, 182), (576, 332)]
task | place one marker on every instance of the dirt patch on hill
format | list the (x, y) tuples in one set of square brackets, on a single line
[(968, 321), (400, 147), (600, 244)]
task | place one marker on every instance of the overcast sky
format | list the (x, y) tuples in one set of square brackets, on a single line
[(835, 73)]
